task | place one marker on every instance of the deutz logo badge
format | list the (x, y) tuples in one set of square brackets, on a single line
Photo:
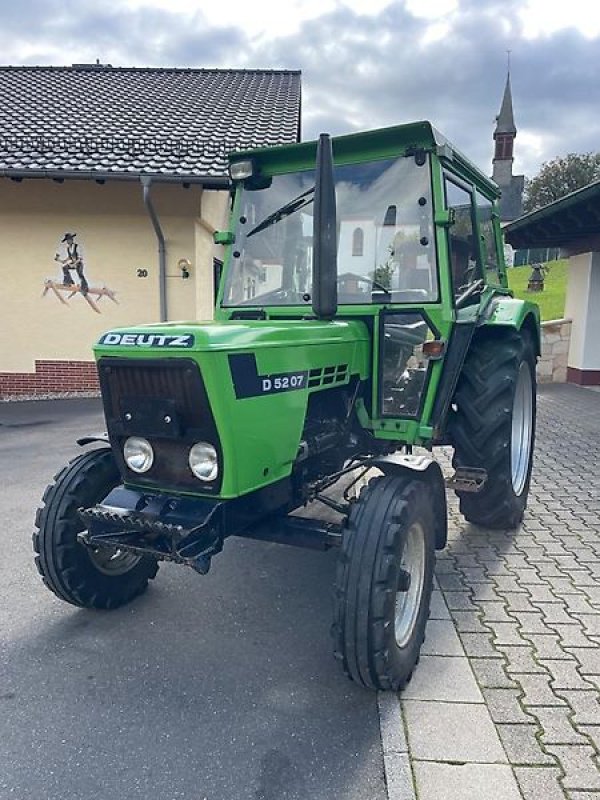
[(147, 339)]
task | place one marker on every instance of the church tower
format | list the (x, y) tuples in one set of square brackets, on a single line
[(511, 202)]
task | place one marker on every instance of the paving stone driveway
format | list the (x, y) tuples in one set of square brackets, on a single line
[(505, 702)]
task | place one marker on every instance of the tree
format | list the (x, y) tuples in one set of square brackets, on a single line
[(559, 177)]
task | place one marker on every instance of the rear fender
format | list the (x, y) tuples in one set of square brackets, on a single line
[(509, 312), (424, 468)]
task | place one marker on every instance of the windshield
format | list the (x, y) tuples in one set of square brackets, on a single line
[(386, 249)]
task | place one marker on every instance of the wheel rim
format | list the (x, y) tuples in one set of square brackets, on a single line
[(408, 603), (522, 428), (113, 561)]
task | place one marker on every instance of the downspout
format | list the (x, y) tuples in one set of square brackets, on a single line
[(162, 256)]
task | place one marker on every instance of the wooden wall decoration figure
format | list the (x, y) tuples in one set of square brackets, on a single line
[(70, 257)]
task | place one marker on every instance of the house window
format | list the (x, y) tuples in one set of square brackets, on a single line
[(358, 242), (390, 216), (250, 289), (217, 270)]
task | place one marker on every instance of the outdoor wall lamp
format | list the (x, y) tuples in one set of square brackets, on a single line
[(185, 266)]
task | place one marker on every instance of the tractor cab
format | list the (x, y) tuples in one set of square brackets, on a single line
[(405, 245)]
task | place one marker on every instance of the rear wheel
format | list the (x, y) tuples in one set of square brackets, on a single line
[(384, 581), (78, 574), (493, 426)]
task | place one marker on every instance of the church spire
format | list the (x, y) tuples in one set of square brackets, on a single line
[(511, 186), (504, 137), (505, 121)]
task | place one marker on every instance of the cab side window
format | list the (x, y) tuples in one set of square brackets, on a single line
[(488, 240), (462, 238)]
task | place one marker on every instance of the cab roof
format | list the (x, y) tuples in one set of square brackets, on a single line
[(378, 143)]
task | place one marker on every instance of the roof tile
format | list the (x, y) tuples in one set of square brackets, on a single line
[(179, 122)]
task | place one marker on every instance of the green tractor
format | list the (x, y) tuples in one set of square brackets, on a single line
[(363, 312)]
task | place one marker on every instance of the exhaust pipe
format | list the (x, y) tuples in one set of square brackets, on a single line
[(324, 290)]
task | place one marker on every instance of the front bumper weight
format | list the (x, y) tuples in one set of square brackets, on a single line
[(181, 529)]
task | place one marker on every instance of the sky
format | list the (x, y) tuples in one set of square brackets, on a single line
[(365, 63)]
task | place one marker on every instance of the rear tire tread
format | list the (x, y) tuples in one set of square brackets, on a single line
[(480, 429)]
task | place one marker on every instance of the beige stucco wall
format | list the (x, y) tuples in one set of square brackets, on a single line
[(582, 304), (117, 238)]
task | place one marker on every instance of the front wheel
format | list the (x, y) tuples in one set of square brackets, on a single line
[(102, 578), (384, 581)]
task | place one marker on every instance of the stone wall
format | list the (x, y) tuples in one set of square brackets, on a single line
[(552, 366)]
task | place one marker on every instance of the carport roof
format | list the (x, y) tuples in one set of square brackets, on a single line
[(95, 120), (573, 222)]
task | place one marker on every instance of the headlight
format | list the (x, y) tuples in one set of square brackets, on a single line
[(138, 454), (204, 461)]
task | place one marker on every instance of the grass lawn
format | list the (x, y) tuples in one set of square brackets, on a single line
[(552, 300)]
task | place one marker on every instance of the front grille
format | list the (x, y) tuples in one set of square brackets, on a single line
[(157, 380), (138, 395)]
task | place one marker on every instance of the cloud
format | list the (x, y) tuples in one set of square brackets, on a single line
[(363, 72), (359, 70), (65, 33)]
